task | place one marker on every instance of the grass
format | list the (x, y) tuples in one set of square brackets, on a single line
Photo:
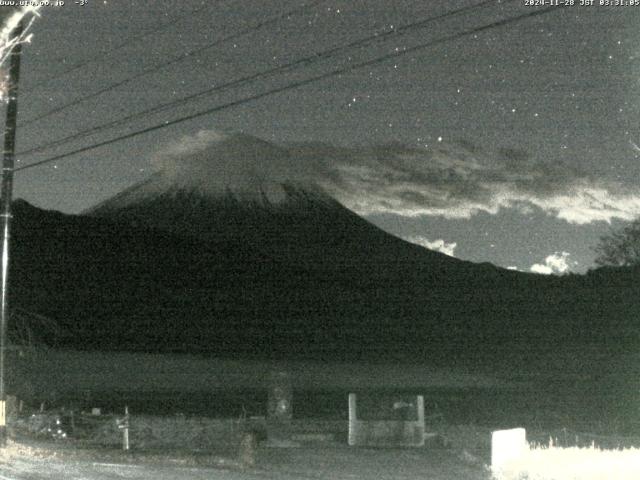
[(15, 449), (557, 391), (574, 463), (464, 456)]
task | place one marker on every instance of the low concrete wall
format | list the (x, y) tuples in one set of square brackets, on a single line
[(388, 433), (145, 432)]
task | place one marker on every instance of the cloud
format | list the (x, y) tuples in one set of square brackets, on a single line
[(452, 180), (215, 163), (556, 263), (437, 245)]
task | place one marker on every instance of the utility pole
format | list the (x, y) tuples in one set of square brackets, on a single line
[(5, 216)]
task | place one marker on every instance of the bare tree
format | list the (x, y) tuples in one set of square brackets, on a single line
[(620, 248)]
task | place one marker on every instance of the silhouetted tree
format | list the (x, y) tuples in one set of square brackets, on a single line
[(621, 248)]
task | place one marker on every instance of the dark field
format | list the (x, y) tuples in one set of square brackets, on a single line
[(588, 392), (583, 408)]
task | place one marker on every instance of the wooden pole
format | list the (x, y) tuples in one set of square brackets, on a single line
[(5, 206), (125, 430)]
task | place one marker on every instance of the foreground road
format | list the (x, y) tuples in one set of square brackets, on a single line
[(283, 464), (55, 470), (23, 469)]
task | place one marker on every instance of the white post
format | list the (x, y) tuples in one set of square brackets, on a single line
[(507, 447), (353, 417), (420, 407)]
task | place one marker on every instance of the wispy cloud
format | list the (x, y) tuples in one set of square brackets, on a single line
[(452, 180), (557, 263), (437, 245)]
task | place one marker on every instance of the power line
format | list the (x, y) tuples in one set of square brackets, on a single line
[(173, 61), (300, 83), (126, 42), (238, 82)]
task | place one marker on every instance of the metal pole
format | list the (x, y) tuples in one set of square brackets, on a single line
[(5, 206)]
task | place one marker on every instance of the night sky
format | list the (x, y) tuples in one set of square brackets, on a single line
[(516, 145)]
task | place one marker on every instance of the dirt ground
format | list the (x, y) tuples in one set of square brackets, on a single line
[(322, 460)]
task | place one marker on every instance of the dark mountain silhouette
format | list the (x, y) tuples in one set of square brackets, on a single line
[(286, 270)]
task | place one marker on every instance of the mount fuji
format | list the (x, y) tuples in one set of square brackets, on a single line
[(260, 207), (232, 248)]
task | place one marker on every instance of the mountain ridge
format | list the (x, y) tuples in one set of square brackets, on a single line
[(118, 286), (213, 254)]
